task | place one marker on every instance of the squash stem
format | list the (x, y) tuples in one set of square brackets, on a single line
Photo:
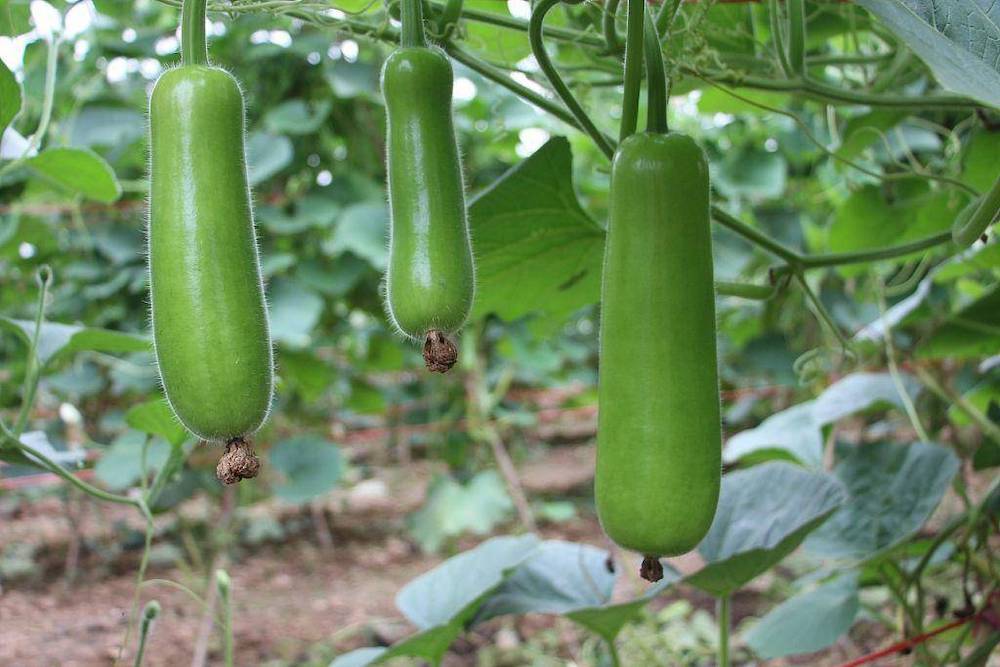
[(633, 67), (656, 78), (412, 18), (194, 46)]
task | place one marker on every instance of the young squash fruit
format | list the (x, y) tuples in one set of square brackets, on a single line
[(659, 432), (210, 327), (430, 281)]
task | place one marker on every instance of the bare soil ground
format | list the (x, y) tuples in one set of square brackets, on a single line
[(297, 598)]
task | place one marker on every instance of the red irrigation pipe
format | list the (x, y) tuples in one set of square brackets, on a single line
[(899, 647)]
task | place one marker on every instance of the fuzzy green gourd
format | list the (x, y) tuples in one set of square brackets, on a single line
[(430, 281), (659, 430), (209, 316)]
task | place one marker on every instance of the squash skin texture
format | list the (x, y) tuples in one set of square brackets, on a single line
[(209, 317), (430, 281), (659, 426)]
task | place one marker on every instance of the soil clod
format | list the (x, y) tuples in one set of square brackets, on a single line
[(651, 569), (440, 354), (238, 463)]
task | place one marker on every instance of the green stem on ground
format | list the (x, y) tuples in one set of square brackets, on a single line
[(194, 44), (564, 93), (723, 619)]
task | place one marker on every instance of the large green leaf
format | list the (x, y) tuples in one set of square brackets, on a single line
[(536, 249), (267, 154), (448, 592), (121, 465), (294, 312), (792, 434), (958, 40), (361, 230), (972, 332), (78, 170), (764, 514), (893, 490), (297, 117), (57, 339), (10, 97), (560, 577), (860, 391), (442, 602), (808, 622), (453, 508)]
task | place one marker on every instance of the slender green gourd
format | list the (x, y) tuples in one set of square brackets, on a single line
[(430, 280), (209, 317)]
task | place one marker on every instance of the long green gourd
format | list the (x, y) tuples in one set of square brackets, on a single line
[(659, 441), (430, 281), (210, 325)]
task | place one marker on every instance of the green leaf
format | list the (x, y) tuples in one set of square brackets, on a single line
[(560, 577), (452, 509), (15, 17), (973, 331), (78, 170), (106, 126), (536, 249), (792, 434), (854, 225), (715, 100), (893, 491), (808, 622), (867, 129), (751, 173), (267, 154), (294, 311), (499, 45), (297, 117), (448, 592), (957, 39), (764, 514), (348, 80), (311, 466), (156, 418), (361, 230), (309, 374), (10, 96), (441, 602), (58, 339), (981, 162), (861, 391), (120, 467)]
